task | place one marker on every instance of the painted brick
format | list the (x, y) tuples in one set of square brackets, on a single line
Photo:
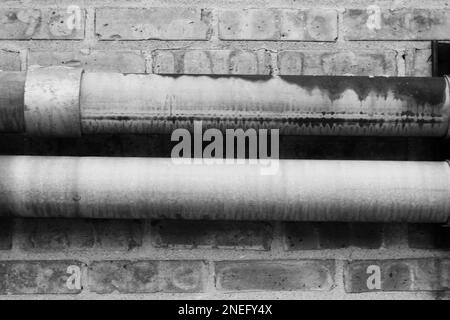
[(37, 277), (397, 24), (153, 23), (287, 275), (428, 236), (147, 276), (64, 234), (278, 24), (314, 236), (49, 23), (99, 61), (9, 61), (212, 62), (395, 275), (6, 230), (357, 63), (212, 234)]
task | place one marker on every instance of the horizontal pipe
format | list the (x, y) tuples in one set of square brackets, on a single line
[(299, 190), (110, 103), (296, 105)]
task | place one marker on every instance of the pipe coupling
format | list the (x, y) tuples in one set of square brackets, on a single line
[(52, 101)]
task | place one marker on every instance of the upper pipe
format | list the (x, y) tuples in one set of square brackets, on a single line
[(300, 190), (62, 101)]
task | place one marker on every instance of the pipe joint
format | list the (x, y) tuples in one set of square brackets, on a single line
[(52, 101)]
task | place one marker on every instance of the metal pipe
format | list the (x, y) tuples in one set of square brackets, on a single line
[(297, 105), (96, 103), (301, 190)]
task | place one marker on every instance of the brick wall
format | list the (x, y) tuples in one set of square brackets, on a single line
[(81, 259), (78, 259)]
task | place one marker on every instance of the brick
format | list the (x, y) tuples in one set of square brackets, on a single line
[(37, 277), (153, 23), (292, 63), (395, 275), (96, 61), (147, 276), (314, 236), (418, 63), (428, 236), (212, 234), (48, 23), (397, 24), (9, 61), (118, 234), (278, 24), (75, 234), (6, 230), (57, 234), (320, 62), (281, 275), (244, 62), (366, 235)]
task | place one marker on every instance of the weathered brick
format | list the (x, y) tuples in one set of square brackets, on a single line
[(428, 236), (153, 23), (104, 61), (39, 277), (9, 60), (318, 62), (212, 234), (6, 226), (291, 62), (287, 275), (212, 62), (278, 24), (397, 24), (57, 234), (418, 62), (48, 23), (314, 236), (118, 234), (64, 234), (395, 275), (147, 276)]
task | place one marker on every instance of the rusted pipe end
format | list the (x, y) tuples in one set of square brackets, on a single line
[(52, 101)]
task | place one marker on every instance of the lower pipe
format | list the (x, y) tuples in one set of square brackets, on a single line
[(297, 190)]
